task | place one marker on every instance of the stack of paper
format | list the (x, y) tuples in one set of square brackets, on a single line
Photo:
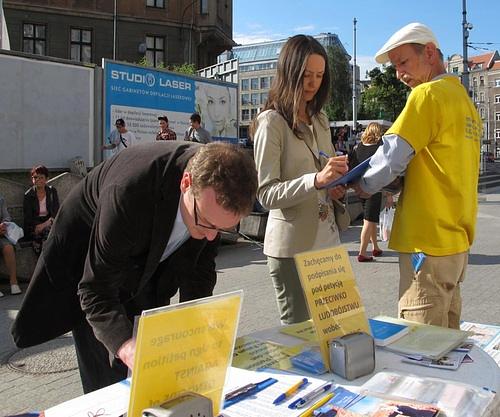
[(425, 340)]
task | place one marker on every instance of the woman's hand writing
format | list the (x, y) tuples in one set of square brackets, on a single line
[(335, 168)]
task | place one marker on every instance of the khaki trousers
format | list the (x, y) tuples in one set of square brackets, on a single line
[(290, 297), (432, 295)]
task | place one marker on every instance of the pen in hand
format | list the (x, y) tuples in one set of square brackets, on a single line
[(325, 155), (301, 402), (290, 391)]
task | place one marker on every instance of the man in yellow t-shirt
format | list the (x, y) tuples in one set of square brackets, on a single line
[(435, 143)]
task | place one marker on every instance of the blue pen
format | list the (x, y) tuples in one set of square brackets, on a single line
[(301, 402), (321, 153), (248, 390), (290, 391)]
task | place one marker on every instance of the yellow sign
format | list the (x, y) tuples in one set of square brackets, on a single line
[(332, 295), (253, 354), (304, 330), (184, 347)]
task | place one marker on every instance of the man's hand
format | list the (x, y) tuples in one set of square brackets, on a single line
[(335, 168), (359, 191), (126, 353)]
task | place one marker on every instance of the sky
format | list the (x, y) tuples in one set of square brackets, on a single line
[(260, 21)]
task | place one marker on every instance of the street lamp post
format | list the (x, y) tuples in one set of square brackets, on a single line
[(114, 30), (465, 35), (191, 28), (354, 98)]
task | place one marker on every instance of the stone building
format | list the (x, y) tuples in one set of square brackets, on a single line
[(161, 31)]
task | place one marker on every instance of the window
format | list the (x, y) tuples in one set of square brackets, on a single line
[(254, 99), (156, 3), (203, 6), (481, 113), (475, 97), (263, 98), (497, 82), (454, 70), (245, 99), (474, 81), (264, 83), (245, 114), (155, 50), (245, 84), (34, 38), (497, 98), (497, 133), (481, 96), (81, 45), (253, 113), (497, 116), (481, 80), (254, 83)]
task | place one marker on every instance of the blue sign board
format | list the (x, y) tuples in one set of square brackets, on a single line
[(139, 95)]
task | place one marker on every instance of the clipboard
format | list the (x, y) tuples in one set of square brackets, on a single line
[(351, 175)]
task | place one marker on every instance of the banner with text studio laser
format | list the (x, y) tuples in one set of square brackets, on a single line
[(184, 347), (138, 95), (332, 294)]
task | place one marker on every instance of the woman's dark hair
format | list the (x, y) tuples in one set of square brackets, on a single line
[(287, 88), (40, 170)]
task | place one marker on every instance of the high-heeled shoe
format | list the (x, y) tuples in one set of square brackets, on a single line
[(362, 258), (377, 252)]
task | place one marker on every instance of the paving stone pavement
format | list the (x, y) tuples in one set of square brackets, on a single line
[(26, 381)]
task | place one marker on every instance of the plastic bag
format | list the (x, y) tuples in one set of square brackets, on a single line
[(385, 223), (14, 232)]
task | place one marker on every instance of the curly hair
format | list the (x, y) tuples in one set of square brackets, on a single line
[(372, 133)]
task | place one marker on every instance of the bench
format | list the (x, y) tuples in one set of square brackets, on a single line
[(13, 193)]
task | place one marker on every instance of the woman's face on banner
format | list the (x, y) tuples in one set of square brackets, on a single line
[(218, 106)]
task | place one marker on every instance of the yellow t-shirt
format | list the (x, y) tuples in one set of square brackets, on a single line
[(436, 212)]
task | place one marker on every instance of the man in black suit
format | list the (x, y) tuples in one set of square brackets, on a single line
[(137, 229)]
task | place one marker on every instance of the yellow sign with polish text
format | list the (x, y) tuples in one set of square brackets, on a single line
[(332, 295), (184, 347)]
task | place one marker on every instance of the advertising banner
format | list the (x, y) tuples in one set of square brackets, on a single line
[(139, 95)]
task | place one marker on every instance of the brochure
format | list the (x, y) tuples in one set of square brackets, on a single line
[(451, 360), (385, 332), (425, 340), (454, 398)]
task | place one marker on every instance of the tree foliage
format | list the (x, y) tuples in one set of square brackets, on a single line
[(189, 69), (386, 96), (339, 105)]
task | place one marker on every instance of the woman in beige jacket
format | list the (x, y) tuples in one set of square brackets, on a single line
[(292, 146)]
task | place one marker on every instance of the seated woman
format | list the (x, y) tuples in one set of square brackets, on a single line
[(7, 249), (41, 204)]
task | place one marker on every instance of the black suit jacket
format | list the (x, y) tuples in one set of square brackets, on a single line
[(102, 257), (31, 208)]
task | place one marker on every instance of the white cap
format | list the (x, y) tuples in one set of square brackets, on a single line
[(412, 33)]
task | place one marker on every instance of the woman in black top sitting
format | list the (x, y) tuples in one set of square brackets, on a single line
[(41, 204), (370, 141)]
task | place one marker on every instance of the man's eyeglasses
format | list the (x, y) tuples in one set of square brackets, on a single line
[(231, 230)]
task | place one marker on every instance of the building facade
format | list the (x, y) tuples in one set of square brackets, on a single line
[(162, 32), (256, 70), (484, 84)]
